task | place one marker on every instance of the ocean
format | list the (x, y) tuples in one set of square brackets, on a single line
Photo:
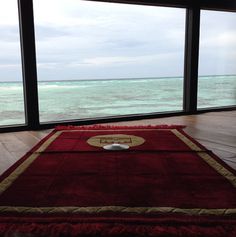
[(67, 100)]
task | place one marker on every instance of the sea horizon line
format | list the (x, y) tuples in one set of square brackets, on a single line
[(119, 79)]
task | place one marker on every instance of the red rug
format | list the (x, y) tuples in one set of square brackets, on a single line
[(165, 184)]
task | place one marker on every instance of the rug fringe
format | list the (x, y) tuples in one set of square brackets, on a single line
[(100, 127), (114, 230)]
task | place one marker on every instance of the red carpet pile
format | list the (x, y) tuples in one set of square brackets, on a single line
[(165, 184)]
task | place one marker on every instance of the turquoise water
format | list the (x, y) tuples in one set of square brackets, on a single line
[(11, 103), (87, 99), (66, 100), (215, 91)]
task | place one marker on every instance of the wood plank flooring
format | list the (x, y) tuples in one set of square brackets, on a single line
[(215, 130)]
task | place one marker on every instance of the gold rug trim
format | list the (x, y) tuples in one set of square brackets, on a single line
[(120, 209), (7, 182), (207, 158)]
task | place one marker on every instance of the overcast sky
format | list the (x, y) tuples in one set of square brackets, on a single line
[(88, 40)]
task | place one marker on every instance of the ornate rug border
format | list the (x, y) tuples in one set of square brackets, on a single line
[(35, 152)]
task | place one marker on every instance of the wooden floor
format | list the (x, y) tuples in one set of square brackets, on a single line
[(216, 131)]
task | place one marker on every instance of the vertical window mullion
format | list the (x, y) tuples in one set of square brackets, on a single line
[(191, 59), (29, 62)]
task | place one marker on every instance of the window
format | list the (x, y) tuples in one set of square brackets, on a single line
[(11, 86), (217, 71), (103, 59), (98, 60)]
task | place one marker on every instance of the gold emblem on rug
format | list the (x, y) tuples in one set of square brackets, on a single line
[(102, 140)]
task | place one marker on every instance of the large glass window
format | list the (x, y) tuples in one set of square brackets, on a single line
[(217, 70), (11, 86), (99, 59)]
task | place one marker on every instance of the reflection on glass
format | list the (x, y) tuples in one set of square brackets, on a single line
[(11, 86), (217, 80), (103, 59)]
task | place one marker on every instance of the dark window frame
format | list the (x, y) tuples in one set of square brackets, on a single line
[(192, 29)]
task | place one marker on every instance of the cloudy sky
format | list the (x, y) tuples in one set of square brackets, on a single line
[(88, 40)]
